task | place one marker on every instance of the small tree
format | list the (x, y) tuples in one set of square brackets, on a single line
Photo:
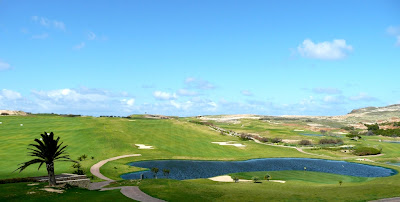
[(255, 179), (340, 182), (166, 172), (267, 177), (235, 179), (155, 171)]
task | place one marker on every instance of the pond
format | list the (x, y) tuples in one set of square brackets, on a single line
[(190, 169)]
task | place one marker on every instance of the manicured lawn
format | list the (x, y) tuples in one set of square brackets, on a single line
[(23, 192)]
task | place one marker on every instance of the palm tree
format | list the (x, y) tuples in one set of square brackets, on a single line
[(47, 150), (166, 172), (155, 171)]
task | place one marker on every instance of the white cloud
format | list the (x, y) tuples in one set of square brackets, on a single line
[(333, 99), (4, 66), (362, 97), (326, 90), (79, 46), (198, 84), (337, 49), (164, 95), (394, 31), (59, 25), (68, 95), (128, 102), (398, 41), (10, 95), (185, 92), (49, 23), (91, 36), (246, 93), (40, 36)]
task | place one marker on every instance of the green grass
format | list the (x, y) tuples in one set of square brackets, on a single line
[(305, 176), (104, 138), (23, 192), (206, 190)]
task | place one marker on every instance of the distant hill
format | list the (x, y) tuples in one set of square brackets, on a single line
[(11, 112), (377, 110)]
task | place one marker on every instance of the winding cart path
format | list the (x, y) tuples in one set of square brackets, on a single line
[(132, 192)]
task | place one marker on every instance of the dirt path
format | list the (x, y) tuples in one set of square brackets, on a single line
[(132, 192), (95, 169), (135, 193)]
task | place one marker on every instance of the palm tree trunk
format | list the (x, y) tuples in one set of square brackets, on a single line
[(50, 171)]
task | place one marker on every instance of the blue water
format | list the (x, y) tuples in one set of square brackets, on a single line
[(308, 134), (398, 142), (188, 169)]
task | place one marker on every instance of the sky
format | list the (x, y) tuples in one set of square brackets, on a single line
[(199, 57)]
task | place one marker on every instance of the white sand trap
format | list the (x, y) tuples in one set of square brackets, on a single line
[(53, 190), (33, 184), (229, 144), (280, 181), (369, 160), (142, 146), (341, 133), (225, 178), (298, 130)]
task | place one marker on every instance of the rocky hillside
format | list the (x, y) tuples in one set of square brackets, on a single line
[(12, 113)]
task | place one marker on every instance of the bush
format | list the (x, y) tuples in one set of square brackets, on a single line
[(4, 114), (235, 179), (264, 139), (363, 151), (351, 136), (276, 140), (348, 128), (15, 180), (330, 141), (245, 136), (305, 142), (372, 127), (255, 179)]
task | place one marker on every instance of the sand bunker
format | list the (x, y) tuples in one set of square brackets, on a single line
[(368, 160), (142, 146), (33, 184), (280, 181), (53, 190), (298, 130), (229, 144), (225, 178)]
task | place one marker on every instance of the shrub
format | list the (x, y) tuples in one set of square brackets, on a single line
[(305, 142), (369, 133), (351, 136), (330, 141), (363, 151), (15, 180), (267, 177), (348, 128), (255, 179), (4, 114), (244, 136), (235, 179), (264, 139), (372, 127), (276, 140), (340, 182)]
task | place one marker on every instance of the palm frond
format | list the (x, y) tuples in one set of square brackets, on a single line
[(28, 163)]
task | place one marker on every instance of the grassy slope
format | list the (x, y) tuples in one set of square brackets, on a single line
[(104, 138), (174, 139), (19, 192), (206, 190)]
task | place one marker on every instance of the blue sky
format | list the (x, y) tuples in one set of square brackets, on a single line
[(199, 57)]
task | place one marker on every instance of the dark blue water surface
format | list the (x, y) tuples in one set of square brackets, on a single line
[(189, 169)]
